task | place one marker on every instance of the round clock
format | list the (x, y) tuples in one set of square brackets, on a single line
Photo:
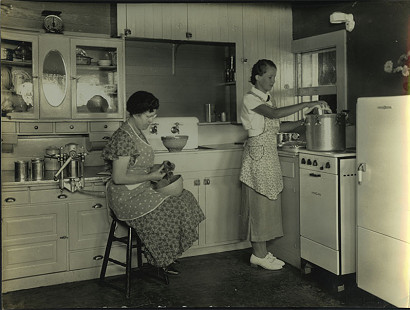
[(53, 23)]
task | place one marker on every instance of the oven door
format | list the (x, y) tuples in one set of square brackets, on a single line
[(318, 208)]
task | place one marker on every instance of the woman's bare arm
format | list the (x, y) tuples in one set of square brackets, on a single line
[(271, 112), (121, 175)]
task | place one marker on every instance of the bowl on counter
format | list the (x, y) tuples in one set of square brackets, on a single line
[(174, 143)]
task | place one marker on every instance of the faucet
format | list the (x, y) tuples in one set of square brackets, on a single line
[(175, 129)]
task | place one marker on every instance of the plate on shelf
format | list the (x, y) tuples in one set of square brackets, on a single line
[(19, 77)]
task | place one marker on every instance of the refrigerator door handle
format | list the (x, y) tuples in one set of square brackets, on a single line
[(360, 169)]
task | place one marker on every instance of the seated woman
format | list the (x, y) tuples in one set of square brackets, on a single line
[(167, 225)]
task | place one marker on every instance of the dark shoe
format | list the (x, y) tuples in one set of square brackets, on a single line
[(171, 270)]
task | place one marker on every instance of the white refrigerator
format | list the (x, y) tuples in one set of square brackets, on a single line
[(383, 197)]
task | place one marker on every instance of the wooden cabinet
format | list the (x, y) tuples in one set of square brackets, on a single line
[(213, 178), (287, 247), (53, 77), (212, 22), (34, 238)]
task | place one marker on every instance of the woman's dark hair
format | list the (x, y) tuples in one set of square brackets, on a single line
[(260, 68), (142, 101)]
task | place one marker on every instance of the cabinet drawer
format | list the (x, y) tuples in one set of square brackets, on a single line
[(48, 195), (94, 257), (72, 127), (100, 136), (8, 127), (105, 126), (36, 128), (15, 198)]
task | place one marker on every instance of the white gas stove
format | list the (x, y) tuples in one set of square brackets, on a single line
[(327, 210)]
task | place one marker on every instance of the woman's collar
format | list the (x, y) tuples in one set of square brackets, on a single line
[(260, 93)]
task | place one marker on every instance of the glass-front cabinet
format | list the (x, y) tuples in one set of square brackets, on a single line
[(19, 75), (96, 78), (58, 77)]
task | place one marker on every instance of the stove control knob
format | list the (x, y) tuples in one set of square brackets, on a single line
[(321, 168), (327, 165), (315, 163), (303, 161), (309, 162)]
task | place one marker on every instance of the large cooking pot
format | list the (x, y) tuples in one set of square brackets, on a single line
[(326, 132)]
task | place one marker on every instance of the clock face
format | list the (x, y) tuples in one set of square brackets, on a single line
[(53, 23)]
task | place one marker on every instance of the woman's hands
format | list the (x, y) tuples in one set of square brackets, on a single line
[(156, 173), (321, 103)]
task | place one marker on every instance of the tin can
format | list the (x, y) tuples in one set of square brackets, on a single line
[(21, 171), (37, 169)]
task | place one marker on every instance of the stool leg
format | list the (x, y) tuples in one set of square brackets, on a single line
[(128, 264), (139, 252), (107, 250)]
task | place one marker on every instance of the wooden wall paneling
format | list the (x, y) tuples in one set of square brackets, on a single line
[(272, 28), (121, 18), (235, 29), (250, 38), (287, 59)]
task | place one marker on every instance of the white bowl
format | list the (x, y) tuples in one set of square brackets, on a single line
[(174, 143), (104, 62), (174, 188)]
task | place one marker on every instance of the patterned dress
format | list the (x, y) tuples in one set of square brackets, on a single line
[(167, 225)]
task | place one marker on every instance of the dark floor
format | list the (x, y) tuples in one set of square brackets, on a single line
[(214, 280)]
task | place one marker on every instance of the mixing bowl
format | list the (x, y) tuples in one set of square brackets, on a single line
[(174, 188), (174, 143)]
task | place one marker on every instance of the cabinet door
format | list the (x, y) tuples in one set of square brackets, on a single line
[(208, 22), (89, 224), (54, 68), (223, 202), (34, 240), (193, 184), (98, 87), (157, 20), (19, 75)]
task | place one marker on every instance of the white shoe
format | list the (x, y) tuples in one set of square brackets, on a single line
[(277, 260), (266, 263)]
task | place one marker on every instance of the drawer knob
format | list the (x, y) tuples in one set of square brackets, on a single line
[(106, 138), (98, 257), (97, 206), (36, 127), (62, 196), (105, 126), (10, 199), (71, 126), (64, 237)]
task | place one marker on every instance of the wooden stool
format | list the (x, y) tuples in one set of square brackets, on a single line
[(128, 240)]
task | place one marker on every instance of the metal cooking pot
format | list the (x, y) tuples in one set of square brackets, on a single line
[(326, 132)]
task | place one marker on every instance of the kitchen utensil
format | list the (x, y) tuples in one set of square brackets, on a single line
[(37, 169), (174, 143), (83, 60), (97, 104), (51, 160), (6, 80), (21, 170), (326, 132), (104, 62), (209, 112), (174, 188)]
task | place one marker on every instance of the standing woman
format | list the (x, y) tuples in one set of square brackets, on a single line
[(261, 172), (167, 225)]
